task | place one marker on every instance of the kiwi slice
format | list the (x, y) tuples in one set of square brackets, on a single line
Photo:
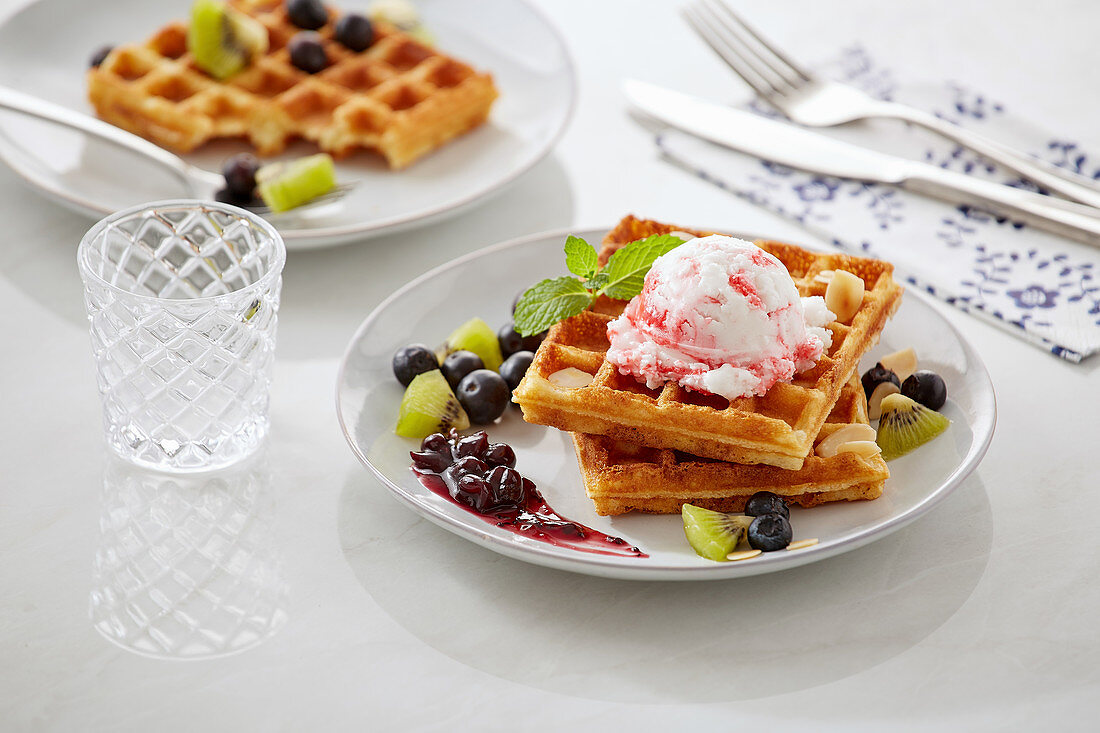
[(222, 40), (905, 425), (713, 535), (476, 336), (429, 406), (283, 186)]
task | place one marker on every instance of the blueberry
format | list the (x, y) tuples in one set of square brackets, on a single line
[(765, 502), (473, 491), (308, 14), (875, 376), (354, 31), (500, 454), (925, 387), (484, 395), (225, 196), (506, 485), (532, 342), (430, 460), (460, 363), (516, 300), (770, 532), (510, 341), (412, 360), (307, 52), (468, 466), (476, 445), (514, 367), (436, 442), (240, 174), (99, 56)]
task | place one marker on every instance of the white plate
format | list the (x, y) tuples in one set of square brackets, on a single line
[(43, 55), (484, 283)]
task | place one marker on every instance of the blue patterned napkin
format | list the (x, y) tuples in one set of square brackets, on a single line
[(1035, 285)]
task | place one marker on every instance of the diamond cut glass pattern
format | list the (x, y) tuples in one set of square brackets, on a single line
[(187, 566), (182, 300)]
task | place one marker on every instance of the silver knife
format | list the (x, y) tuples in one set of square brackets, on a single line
[(795, 147)]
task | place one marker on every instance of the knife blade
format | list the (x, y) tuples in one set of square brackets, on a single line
[(795, 147)]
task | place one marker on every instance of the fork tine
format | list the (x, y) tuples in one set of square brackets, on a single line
[(761, 84), (786, 64)]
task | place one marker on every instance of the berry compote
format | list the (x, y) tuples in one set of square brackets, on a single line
[(481, 477)]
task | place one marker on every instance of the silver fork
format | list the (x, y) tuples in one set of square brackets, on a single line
[(816, 102), (199, 183)]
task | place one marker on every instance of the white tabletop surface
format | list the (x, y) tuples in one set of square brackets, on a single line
[(979, 616)]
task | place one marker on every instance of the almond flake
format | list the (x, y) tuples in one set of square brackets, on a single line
[(571, 377), (743, 555), (802, 544)]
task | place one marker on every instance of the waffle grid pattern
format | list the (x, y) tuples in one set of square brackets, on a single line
[(621, 477), (777, 429), (399, 97)]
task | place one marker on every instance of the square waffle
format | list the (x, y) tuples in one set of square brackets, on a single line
[(621, 477), (777, 429), (399, 97)]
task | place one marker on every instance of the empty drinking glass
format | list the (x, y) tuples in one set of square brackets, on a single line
[(182, 299)]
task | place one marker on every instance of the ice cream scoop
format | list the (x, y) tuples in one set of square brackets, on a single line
[(719, 315)]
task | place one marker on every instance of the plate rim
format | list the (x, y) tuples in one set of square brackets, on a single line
[(315, 238), (612, 567)]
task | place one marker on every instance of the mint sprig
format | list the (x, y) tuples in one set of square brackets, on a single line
[(556, 299)]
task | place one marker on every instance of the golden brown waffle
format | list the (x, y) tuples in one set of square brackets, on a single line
[(398, 97), (777, 429), (621, 477)]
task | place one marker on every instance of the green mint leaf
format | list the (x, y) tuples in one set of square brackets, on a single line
[(598, 281), (548, 302), (580, 257), (627, 267)]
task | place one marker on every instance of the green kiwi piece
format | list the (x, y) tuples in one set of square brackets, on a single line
[(905, 425), (222, 40), (283, 186), (713, 535), (429, 406), (476, 336)]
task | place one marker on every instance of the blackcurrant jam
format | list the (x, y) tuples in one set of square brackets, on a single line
[(481, 478)]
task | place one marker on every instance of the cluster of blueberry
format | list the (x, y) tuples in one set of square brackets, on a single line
[(306, 50), (477, 473), (482, 390)]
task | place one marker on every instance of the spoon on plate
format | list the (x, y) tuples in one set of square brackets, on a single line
[(200, 183)]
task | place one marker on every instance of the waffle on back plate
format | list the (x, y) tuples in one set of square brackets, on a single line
[(621, 477), (399, 97), (777, 429)]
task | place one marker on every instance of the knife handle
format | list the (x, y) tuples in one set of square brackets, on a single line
[(1066, 218)]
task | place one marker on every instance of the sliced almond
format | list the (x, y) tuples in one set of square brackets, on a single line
[(865, 448), (847, 434), (802, 544), (874, 405), (571, 377), (824, 277), (686, 236), (844, 295), (903, 363), (743, 555)]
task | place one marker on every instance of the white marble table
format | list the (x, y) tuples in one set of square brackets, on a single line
[(979, 616)]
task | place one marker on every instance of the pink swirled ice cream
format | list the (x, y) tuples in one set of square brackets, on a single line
[(722, 316)]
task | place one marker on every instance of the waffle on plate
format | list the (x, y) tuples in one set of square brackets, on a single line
[(621, 477), (399, 97), (777, 429)]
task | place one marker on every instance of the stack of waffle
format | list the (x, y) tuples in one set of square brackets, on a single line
[(653, 450), (399, 97)]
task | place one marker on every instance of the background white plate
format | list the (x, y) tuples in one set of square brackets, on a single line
[(484, 283), (45, 47)]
